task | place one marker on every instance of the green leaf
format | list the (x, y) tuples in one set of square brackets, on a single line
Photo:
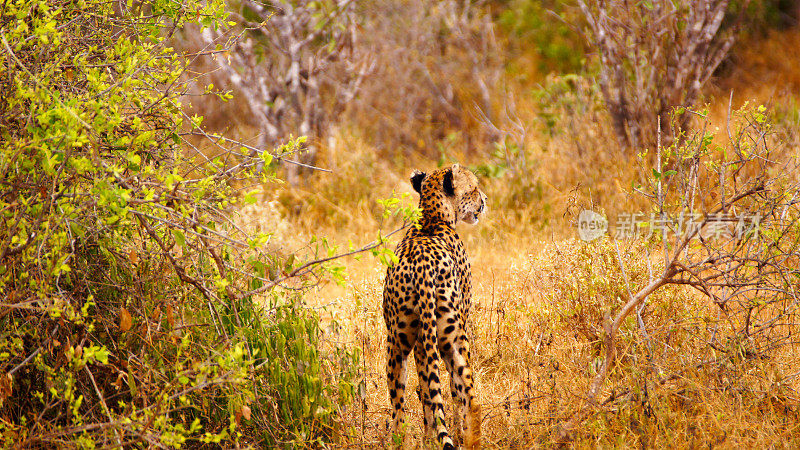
[(250, 197), (180, 238), (134, 159)]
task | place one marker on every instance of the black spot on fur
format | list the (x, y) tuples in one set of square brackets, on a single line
[(404, 340)]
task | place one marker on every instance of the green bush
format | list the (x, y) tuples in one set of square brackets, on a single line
[(542, 26), (124, 319), (303, 386)]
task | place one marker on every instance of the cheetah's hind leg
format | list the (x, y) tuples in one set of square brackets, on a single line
[(397, 375), (422, 391)]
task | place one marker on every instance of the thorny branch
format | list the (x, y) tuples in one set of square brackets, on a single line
[(307, 267)]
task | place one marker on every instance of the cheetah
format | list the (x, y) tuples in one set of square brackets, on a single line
[(426, 300)]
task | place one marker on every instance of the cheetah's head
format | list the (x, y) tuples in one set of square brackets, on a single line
[(452, 189)]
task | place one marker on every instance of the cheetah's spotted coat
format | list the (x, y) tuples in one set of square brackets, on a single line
[(426, 302)]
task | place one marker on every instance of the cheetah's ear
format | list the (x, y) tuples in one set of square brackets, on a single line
[(416, 180), (447, 183)]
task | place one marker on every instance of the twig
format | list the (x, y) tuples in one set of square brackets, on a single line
[(642, 329), (25, 361), (256, 149), (105, 407)]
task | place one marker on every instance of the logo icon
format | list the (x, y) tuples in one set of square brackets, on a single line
[(591, 225)]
